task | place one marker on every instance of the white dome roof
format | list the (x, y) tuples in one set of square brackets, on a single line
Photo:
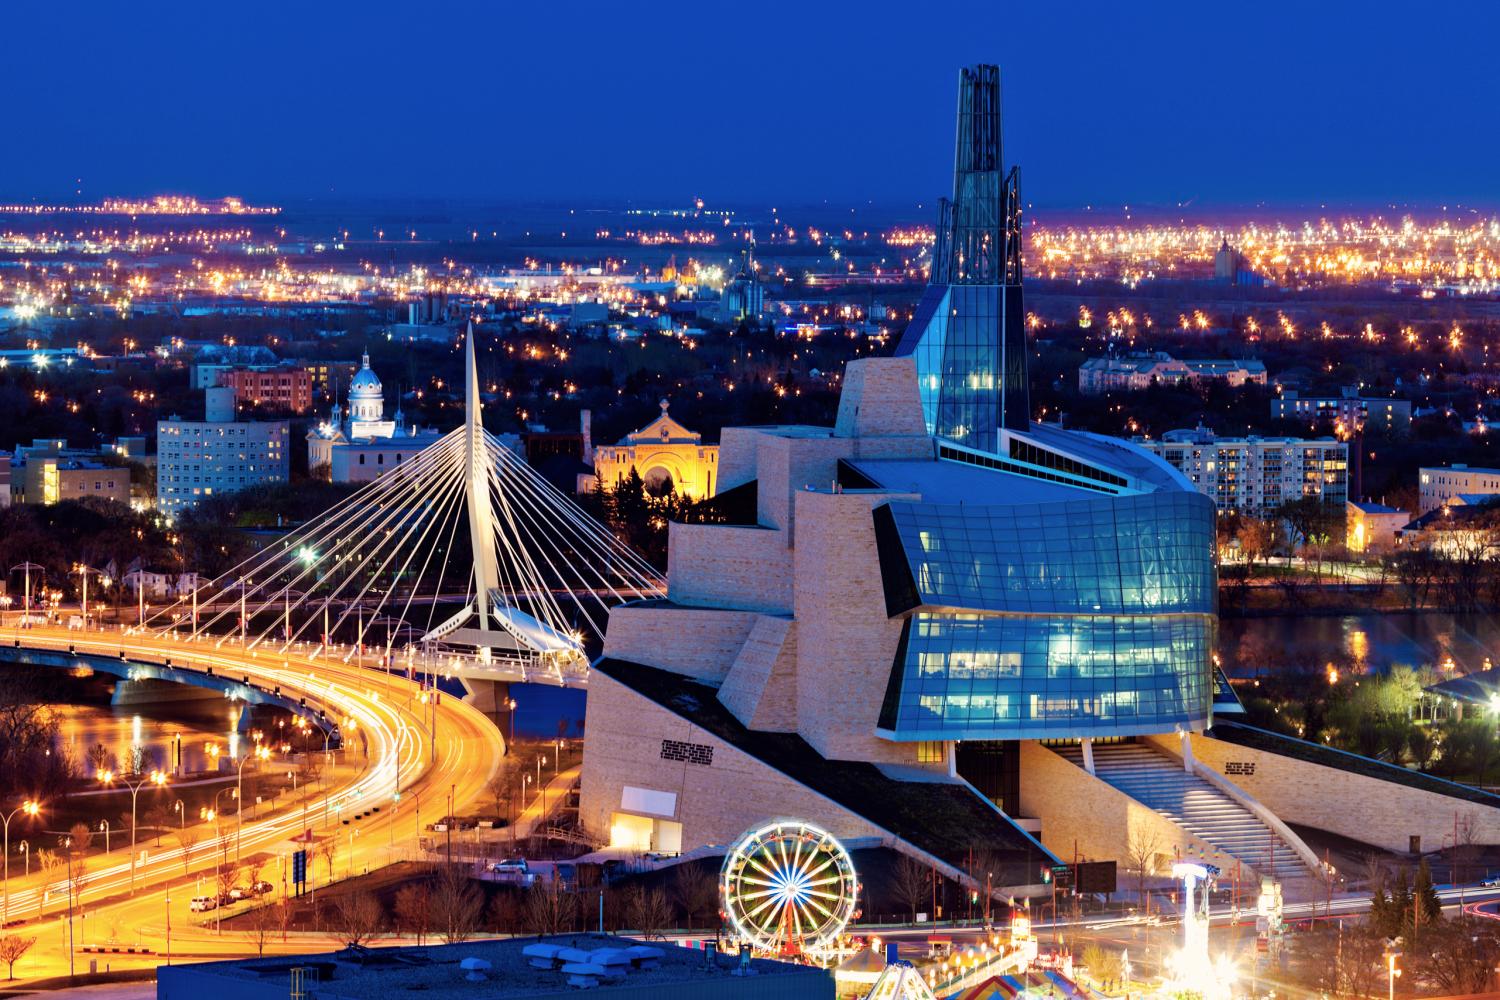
[(366, 385)]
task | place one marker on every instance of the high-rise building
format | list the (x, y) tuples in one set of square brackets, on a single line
[(285, 387), (1255, 475), (969, 332), (218, 454)]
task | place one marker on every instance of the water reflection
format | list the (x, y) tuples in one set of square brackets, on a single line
[(1362, 643), (82, 727)]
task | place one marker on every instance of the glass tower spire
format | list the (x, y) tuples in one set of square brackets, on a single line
[(968, 335)]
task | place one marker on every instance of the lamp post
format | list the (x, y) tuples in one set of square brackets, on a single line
[(27, 567), (83, 570), (104, 826), (157, 778), (510, 703), (30, 808), (1391, 972), (181, 815)]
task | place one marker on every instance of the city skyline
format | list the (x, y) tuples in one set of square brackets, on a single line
[(1179, 108)]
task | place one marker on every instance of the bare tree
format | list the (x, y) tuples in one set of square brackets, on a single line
[(187, 839), (909, 883), (327, 849), (414, 909), (264, 923), (647, 911), (551, 909), (1458, 956), (12, 947), (49, 861), (357, 917), (504, 913), (1142, 856), (695, 890), (158, 818), (226, 876), (456, 904), (99, 758)]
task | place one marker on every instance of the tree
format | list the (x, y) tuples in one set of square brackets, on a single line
[(1142, 856), (327, 849), (264, 922), (1428, 908), (504, 914), (49, 861), (1458, 956), (99, 758), (357, 917), (695, 890), (414, 909), (551, 909), (158, 818), (647, 911), (12, 947), (909, 885), (456, 904), (1256, 538), (187, 839)]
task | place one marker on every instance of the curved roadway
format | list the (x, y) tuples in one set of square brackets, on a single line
[(425, 751)]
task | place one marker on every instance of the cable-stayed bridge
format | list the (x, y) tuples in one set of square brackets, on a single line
[(461, 562)]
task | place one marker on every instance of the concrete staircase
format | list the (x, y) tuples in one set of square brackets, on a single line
[(1157, 780)]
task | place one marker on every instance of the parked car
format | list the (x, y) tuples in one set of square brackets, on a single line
[(511, 866), (202, 903), (238, 893), (262, 887)]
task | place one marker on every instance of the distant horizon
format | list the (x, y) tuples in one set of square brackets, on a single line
[(1198, 211)]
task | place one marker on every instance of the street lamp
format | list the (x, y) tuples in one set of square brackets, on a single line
[(181, 815), (83, 570), (27, 567), (1391, 972), (510, 703), (157, 778), (31, 808)]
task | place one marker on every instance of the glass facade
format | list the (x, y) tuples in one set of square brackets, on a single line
[(1148, 553), (1092, 617), (968, 336)]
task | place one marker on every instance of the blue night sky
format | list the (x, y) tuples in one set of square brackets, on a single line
[(787, 103)]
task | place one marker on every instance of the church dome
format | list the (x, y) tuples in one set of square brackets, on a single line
[(366, 384)]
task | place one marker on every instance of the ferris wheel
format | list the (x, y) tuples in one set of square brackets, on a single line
[(788, 888)]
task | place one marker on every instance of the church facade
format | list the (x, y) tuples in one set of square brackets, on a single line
[(362, 445)]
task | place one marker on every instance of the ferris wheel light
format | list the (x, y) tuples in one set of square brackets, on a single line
[(788, 887)]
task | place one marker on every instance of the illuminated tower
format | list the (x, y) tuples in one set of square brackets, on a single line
[(968, 336)]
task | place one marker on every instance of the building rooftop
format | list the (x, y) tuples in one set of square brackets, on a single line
[(946, 819), (438, 972), (958, 482), (1370, 507)]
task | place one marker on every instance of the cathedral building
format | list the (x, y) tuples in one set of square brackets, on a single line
[(363, 445)]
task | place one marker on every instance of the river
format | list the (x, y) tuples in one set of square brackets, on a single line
[(1368, 642)]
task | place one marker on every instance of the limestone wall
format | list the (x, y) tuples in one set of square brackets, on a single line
[(727, 566), (698, 642), (880, 398), (761, 686), (715, 803), (845, 642), (1078, 809), (1351, 805)]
